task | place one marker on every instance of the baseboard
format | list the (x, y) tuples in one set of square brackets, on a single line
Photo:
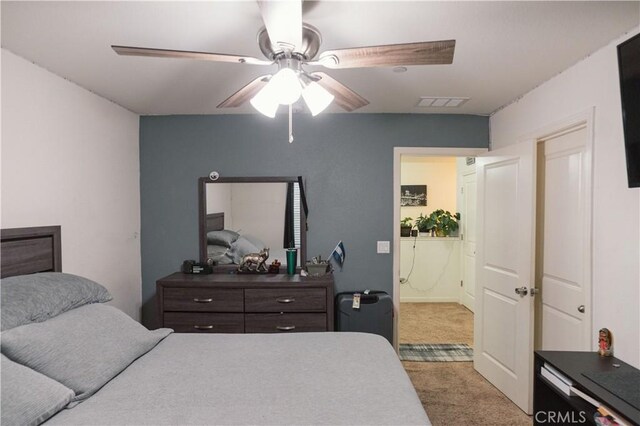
[(423, 299)]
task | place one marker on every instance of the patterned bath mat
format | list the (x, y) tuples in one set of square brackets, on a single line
[(436, 352)]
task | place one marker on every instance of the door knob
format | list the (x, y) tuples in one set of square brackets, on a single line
[(581, 309), (522, 291)]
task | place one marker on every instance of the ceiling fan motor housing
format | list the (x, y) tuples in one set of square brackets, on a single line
[(311, 40), (293, 62)]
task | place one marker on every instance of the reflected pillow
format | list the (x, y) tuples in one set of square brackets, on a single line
[(223, 238), (38, 297), (221, 259), (28, 397), (255, 241), (213, 250), (244, 245), (218, 254), (83, 348)]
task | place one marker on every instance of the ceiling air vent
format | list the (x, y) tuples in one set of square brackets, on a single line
[(441, 102), (471, 161)]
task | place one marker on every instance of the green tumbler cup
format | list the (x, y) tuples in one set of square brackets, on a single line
[(292, 260)]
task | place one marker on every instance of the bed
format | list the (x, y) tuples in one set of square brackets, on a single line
[(169, 378)]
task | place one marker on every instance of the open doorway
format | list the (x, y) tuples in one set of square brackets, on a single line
[(437, 202), (454, 293)]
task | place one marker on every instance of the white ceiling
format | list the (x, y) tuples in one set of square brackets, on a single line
[(503, 50)]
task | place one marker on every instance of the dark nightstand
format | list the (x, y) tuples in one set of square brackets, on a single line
[(547, 398)]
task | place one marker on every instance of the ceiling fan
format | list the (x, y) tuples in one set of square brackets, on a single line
[(291, 44)]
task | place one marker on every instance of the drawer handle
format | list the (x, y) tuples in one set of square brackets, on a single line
[(203, 327), (202, 300), (285, 327), (286, 300)]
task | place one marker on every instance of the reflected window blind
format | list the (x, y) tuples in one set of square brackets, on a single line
[(296, 214)]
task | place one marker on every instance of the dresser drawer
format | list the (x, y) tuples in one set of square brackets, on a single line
[(285, 300), (284, 323), (195, 322), (192, 299)]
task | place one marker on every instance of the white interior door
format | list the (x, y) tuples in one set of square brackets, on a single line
[(469, 191), (564, 243), (503, 326)]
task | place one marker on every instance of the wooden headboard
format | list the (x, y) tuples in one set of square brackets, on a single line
[(214, 222), (30, 250)]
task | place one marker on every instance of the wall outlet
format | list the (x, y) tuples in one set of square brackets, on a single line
[(384, 247)]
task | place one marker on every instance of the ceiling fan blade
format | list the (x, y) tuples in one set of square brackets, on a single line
[(185, 54), (346, 98), (246, 93), (423, 53), (283, 20)]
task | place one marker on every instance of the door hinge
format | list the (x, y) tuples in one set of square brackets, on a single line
[(461, 237), (462, 189), (461, 282)]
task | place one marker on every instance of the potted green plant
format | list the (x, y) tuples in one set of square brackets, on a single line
[(443, 222), (425, 223), (405, 227)]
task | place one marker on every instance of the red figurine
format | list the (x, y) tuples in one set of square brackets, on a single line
[(605, 342), (274, 268)]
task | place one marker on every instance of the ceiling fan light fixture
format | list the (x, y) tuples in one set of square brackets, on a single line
[(265, 103), (285, 86), (317, 98)]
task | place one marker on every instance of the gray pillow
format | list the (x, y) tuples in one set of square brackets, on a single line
[(218, 254), (83, 348), (242, 246), (213, 250), (222, 238), (38, 297), (28, 397), (221, 259)]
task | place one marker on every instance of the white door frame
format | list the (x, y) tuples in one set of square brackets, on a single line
[(465, 217), (555, 129), (397, 153)]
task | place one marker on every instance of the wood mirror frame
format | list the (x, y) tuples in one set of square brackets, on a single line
[(203, 218)]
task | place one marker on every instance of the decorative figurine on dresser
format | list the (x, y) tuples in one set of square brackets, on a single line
[(605, 342), (239, 218), (257, 259)]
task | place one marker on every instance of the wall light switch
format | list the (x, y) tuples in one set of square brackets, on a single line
[(384, 247)]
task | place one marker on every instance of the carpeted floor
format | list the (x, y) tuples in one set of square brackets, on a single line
[(435, 323), (452, 392)]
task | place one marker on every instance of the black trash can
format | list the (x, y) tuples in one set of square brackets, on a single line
[(375, 314)]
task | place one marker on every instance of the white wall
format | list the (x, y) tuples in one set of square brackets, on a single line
[(258, 210), (219, 201), (439, 174), (70, 158), (616, 208), (436, 270)]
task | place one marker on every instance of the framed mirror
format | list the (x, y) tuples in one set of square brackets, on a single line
[(242, 215)]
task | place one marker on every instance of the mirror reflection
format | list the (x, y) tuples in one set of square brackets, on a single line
[(248, 217)]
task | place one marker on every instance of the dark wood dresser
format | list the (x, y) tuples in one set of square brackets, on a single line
[(245, 303), (553, 406)]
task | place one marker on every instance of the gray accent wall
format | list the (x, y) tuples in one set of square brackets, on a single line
[(345, 159)]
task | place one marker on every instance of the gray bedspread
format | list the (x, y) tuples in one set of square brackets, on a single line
[(294, 379)]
